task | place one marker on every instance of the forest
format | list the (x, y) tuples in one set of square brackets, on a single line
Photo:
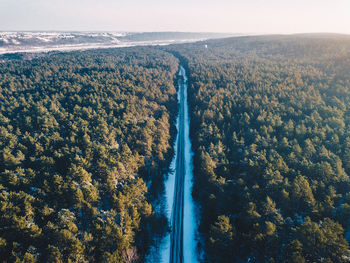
[(85, 138), (81, 134), (270, 129)]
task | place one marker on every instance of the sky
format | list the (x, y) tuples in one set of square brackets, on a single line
[(231, 16)]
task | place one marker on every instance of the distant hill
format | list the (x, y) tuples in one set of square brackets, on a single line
[(154, 36)]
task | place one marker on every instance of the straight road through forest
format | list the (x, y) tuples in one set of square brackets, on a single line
[(176, 236)]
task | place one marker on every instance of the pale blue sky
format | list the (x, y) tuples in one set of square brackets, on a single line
[(237, 16)]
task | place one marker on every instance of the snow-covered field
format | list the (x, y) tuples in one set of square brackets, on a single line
[(14, 42)]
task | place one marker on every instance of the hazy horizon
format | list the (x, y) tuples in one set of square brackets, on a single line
[(175, 31), (222, 16)]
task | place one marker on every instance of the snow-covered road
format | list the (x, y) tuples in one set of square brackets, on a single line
[(180, 245)]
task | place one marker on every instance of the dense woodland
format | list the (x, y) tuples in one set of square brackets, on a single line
[(86, 136), (270, 126), (80, 133)]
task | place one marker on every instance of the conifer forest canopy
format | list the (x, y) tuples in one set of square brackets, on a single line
[(86, 137)]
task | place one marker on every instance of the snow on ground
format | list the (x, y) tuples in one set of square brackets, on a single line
[(161, 254), (19, 42), (190, 216), (44, 39), (15, 42), (114, 44)]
